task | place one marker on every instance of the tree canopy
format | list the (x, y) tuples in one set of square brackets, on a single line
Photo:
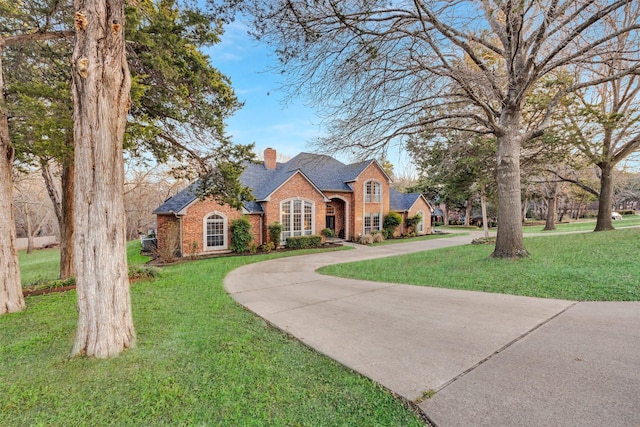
[(381, 71)]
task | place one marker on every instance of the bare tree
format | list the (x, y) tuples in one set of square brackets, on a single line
[(34, 211), (145, 189), (604, 125), (101, 84), (383, 70)]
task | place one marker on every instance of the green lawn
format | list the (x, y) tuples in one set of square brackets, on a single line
[(589, 266), (44, 264), (586, 225), (200, 359)]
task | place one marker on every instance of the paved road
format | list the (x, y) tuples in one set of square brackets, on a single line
[(492, 360)]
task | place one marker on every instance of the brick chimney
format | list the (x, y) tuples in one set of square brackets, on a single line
[(270, 158)]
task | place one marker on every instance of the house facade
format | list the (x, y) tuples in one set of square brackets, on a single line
[(306, 194)]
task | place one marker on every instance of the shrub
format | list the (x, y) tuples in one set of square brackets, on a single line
[(412, 221), (275, 233), (378, 237), (267, 247), (301, 242), (365, 239), (194, 248), (143, 272), (241, 235), (392, 220), (168, 249), (327, 232), (387, 233)]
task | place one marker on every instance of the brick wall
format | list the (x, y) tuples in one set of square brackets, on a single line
[(360, 208), (296, 186)]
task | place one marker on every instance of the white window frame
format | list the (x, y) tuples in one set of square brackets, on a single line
[(371, 218), (205, 232), (292, 225), (370, 193)]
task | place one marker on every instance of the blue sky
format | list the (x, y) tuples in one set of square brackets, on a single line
[(266, 119)]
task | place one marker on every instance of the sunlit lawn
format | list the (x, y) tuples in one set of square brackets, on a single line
[(200, 359), (587, 266), (586, 225)]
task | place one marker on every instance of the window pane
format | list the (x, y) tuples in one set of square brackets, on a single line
[(215, 231)]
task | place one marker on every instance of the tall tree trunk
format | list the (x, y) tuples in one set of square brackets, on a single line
[(467, 212), (67, 257), (101, 84), (552, 207), (550, 223), (509, 241), (11, 299), (30, 231), (605, 199), (483, 207), (445, 214), (63, 206)]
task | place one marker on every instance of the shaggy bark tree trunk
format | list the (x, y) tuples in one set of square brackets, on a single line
[(11, 299), (605, 199), (509, 241), (67, 258), (101, 84)]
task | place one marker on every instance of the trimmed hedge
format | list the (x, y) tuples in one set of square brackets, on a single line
[(301, 242)]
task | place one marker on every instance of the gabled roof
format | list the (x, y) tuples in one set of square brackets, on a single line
[(402, 202), (323, 172), (176, 204)]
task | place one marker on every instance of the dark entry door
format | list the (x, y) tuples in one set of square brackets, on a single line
[(331, 222)]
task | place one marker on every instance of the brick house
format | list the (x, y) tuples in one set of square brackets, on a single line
[(306, 194)]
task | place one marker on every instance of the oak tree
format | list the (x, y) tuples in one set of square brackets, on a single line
[(381, 70)]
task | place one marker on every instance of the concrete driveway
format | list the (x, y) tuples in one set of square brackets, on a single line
[(466, 358)]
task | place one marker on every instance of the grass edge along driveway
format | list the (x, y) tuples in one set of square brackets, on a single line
[(599, 266), (200, 359)]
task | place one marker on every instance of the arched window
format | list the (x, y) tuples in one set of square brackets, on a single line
[(372, 192), (296, 217), (215, 232)]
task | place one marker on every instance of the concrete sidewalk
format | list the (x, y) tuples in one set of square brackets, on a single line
[(494, 360)]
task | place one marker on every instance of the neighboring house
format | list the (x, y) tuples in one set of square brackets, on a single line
[(306, 194)]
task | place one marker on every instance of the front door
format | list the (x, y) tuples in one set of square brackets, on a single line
[(331, 222)]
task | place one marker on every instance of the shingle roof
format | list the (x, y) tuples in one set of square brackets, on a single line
[(325, 172), (401, 201), (184, 198), (178, 202)]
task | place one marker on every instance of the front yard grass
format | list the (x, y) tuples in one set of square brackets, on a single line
[(585, 225), (591, 266), (200, 359)]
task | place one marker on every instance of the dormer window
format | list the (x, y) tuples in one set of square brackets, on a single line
[(372, 192)]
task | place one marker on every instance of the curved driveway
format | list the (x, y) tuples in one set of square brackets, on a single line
[(466, 358)]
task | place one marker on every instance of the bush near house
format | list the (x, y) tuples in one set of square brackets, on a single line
[(241, 235), (391, 221), (301, 242), (412, 222), (275, 233)]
